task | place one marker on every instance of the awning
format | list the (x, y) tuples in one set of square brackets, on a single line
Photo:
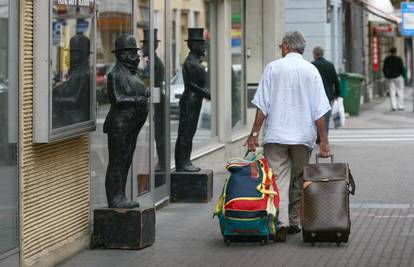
[(379, 8)]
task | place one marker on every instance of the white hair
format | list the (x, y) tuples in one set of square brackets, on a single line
[(295, 40), (318, 50)]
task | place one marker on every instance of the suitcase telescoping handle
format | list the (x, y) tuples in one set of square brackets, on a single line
[(351, 178), (330, 156)]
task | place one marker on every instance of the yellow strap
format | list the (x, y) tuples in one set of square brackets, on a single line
[(220, 201), (262, 190)]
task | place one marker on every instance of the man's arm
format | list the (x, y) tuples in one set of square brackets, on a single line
[(253, 139), (402, 67), (324, 150), (204, 92), (117, 98)]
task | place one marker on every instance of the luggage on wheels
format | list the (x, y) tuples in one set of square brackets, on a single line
[(325, 202), (248, 206)]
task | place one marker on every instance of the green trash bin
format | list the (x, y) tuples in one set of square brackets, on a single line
[(351, 84)]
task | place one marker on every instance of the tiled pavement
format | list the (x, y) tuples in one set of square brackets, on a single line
[(187, 235), (382, 213)]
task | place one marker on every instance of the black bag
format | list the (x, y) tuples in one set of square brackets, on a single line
[(325, 202)]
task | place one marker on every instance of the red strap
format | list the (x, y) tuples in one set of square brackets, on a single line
[(253, 169)]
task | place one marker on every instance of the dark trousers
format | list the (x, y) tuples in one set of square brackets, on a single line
[(121, 147), (186, 130)]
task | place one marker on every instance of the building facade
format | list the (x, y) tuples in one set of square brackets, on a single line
[(53, 156), (321, 22)]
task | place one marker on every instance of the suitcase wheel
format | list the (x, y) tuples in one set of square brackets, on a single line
[(338, 235), (227, 241), (313, 235)]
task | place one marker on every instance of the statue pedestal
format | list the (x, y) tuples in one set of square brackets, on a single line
[(192, 187), (123, 228)]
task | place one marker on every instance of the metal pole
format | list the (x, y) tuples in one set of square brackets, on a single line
[(412, 65)]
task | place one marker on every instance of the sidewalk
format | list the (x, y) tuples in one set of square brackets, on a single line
[(382, 214), (378, 114)]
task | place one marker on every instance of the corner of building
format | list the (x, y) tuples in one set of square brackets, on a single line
[(54, 178)]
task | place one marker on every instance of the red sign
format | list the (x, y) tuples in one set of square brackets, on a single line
[(384, 28), (375, 53)]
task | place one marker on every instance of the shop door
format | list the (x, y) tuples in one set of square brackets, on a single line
[(9, 133), (151, 165), (142, 171), (160, 92)]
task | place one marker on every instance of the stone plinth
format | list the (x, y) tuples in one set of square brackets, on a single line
[(192, 187), (123, 228)]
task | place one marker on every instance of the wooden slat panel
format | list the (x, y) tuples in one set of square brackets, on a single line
[(55, 185)]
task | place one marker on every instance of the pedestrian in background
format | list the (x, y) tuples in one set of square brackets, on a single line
[(329, 78), (291, 100), (393, 70)]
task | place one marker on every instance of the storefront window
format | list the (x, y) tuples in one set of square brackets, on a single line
[(141, 166), (182, 18), (113, 19), (160, 103), (72, 75), (237, 80), (8, 129)]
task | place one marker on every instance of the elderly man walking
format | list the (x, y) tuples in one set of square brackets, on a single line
[(292, 102)]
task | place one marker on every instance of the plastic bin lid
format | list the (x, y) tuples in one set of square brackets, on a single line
[(349, 75)]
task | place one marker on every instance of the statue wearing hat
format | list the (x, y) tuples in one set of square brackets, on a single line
[(129, 109), (71, 98), (195, 89), (159, 108)]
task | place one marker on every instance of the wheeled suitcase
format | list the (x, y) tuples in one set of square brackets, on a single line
[(325, 202), (248, 206)]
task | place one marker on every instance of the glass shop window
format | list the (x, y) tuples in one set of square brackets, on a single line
[(201, 15), (141, 165), (71, 70), (237, 80), (9, 127)]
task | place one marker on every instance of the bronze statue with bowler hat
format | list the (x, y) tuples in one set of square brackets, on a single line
[(129, 109)]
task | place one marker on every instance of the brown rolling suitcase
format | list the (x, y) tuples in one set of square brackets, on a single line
[(325, 202)]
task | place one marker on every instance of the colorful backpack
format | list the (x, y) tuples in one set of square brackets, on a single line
[(248, 206)]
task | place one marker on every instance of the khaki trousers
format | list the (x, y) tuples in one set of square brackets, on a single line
[(287, 163), (396, 87)]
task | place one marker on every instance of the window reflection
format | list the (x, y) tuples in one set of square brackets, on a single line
[(237, 86), (159, 102), (71, 93), (71, 48), (8, 146), (141, 162)]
